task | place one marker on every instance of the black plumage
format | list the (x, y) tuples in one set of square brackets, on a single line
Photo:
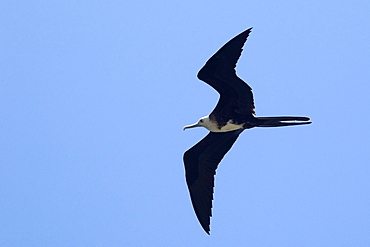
[(201, 162)]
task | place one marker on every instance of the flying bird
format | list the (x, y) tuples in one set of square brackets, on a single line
[(233, 114)]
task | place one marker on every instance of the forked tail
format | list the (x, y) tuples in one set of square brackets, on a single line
[(281, 121)]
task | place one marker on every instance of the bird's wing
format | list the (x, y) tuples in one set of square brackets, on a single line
[(201, 162), (219, 72)]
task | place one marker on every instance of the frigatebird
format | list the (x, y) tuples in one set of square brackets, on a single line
[(233, 114)]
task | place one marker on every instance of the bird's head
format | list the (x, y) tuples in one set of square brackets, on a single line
[(202, 122)]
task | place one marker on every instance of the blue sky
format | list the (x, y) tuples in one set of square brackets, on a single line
[(94, 95)]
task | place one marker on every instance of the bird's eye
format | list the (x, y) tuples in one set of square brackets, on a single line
[(201, 120)]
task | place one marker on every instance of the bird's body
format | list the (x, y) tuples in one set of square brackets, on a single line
[(212, 125), (233, 113)]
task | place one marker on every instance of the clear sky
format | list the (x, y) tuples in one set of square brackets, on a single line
[(94, 95)]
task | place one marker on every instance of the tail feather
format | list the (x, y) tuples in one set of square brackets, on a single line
[(282, 121)]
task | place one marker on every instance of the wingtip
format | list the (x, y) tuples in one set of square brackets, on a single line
[(205, 226), (207, 230), (246, 32)]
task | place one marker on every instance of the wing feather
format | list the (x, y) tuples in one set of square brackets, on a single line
[(219, 72), (201, 162)]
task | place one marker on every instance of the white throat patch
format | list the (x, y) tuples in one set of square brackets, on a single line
[(212, 126)]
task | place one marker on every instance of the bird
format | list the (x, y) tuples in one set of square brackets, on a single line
[(234, 112)]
